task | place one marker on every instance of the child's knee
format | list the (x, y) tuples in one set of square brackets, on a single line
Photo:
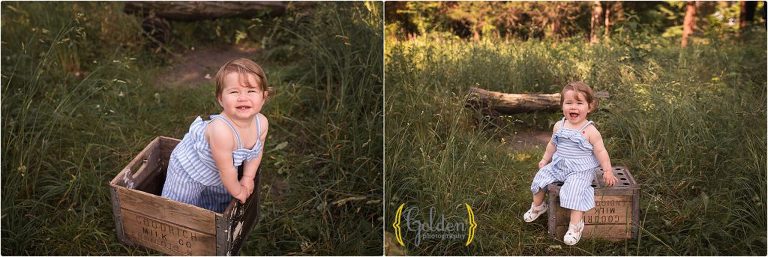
[(536, 189)]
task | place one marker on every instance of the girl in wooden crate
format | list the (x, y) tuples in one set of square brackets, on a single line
[(572, 155), (203, 167)]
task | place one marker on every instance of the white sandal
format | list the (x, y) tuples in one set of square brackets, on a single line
[(535, 211), (574, 233)]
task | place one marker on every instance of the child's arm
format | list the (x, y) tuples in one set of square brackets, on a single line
[(598, 148), (551, 148), (222, 142), (252, 166)]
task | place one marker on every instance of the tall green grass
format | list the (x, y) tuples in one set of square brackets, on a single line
[(689, 123), (329, 108), (65, 135), (78, 102)]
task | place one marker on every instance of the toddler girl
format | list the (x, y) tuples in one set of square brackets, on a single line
[(572, 156), (202, 170)]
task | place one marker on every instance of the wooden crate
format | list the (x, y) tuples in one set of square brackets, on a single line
[(616, 213), (143, 218)]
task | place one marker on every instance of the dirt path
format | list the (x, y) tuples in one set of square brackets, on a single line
[(198, 66), (528, 140)]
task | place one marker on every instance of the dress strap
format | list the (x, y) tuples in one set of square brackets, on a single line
[(237, 135), (562, 123), (585, 126), (258, 129)]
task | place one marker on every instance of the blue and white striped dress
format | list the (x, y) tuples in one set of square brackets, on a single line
[(574, 164), (193, 177)]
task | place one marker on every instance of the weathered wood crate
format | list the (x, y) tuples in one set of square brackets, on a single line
[(616, 213), (144, 218)]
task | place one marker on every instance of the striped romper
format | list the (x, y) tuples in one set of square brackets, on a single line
[(573, 163), (193, 177)]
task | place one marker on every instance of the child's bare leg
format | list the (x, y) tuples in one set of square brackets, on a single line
[(573, 235), (576, 216), (538, 198), (537, 208)]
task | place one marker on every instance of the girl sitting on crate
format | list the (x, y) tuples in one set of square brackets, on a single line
[(572, 156), (202, 170)]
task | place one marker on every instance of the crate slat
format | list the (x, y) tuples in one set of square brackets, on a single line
[(167, 237), (608, 210), (165, 209)]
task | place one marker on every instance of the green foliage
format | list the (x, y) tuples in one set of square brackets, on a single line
[(486, 19), (689, 123), (73, 30), (714, 20), (723, 21), (423, 15), (221, 31)]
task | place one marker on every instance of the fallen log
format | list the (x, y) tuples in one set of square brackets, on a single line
[(495, 103), (192, 11), (157, 14)]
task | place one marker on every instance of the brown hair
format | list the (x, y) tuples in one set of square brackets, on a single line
[(580, 87), (242, 66)]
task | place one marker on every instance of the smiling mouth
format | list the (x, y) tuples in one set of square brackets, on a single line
[(242, 108)]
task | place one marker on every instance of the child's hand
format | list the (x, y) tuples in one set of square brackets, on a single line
[(609, 178), (243, 195), (543, 163), (248, 184)]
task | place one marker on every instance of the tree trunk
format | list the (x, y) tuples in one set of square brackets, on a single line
[(614, 12), (608, 24), (689, 23), (192, 11), (746, 13), (556, 21), (597, 11), (494, 103), (476, 31), (618, 8)]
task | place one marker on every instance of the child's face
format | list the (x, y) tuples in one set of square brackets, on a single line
[(238, 100), (575, 106)]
